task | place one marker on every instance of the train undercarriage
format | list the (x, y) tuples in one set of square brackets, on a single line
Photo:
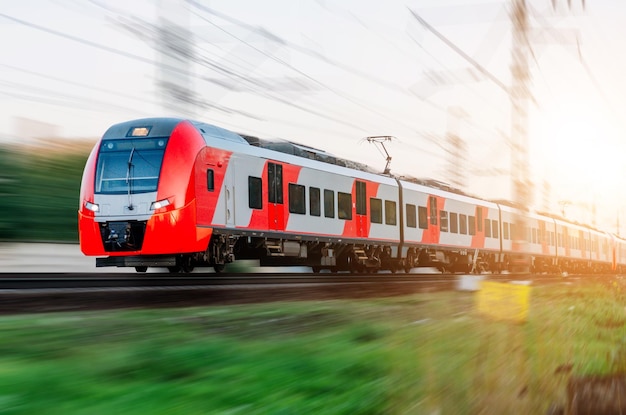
[(352, 257)]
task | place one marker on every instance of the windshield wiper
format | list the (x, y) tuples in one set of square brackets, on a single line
[(129, 179)]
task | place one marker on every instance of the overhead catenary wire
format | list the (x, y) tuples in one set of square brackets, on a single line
[(458, 50), (258, 88)]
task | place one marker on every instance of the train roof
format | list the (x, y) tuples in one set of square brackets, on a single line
[(300, 150)]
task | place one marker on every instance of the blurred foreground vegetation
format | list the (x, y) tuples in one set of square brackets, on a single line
[(39, 190), (420, 354)]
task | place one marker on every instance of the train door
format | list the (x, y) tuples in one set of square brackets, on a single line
[(361, 209), (433, 216), (229, 196), (275, 208)]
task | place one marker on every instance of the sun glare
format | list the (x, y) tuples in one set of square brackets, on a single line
[(581, 156)]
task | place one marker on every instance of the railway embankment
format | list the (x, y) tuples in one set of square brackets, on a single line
[(417, 353)]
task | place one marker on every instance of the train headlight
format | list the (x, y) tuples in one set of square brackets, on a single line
[(92, 206), (159, 204)]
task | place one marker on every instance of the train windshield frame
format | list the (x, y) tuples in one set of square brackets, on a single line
[(129, 166)]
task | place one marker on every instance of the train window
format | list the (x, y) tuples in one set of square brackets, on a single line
[(423, 217), (344, 203), (487, 228), (361, 205), (534, 235), (494, 228), (275, 183), (329, 203), (463, 224), (411, 216), (471, 225), (390, 212), (210, 180), (454, 222), (560, 239), (443, 221), (376, 210), (255, 193), (314, 201), (479, 219), (433, 209), (505, 230), (297, 199)]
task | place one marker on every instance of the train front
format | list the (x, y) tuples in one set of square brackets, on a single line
[(137, 202)]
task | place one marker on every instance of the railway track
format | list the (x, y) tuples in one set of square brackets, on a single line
[(53, 292)]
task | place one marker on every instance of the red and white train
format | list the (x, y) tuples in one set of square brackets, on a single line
[(175, 193)]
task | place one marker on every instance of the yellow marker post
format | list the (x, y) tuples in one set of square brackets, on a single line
[(503, 301)]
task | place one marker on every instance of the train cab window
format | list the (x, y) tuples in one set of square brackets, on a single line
[(297, 199), (494, 229), (344, 203), (314, 201), (454, 222), (423, 217), (376, 210), (361, 204), (443, 221), (329, 203), (463, 224), (487, 228), (471, 222), (255, 193), (411, 215), (505, 230), (433, 209), (210, 180), (390, 212)]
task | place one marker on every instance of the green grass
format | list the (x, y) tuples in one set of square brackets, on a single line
[(425, 353)]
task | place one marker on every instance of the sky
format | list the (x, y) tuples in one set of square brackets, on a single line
[(329, 74)]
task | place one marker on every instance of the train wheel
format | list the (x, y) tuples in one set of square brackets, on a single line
[(408, 263), (186, 265), (174, 269), (219, 268), (352, 263), (316, 270), (141, 269)]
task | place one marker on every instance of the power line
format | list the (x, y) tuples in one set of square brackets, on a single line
[(460, 52)]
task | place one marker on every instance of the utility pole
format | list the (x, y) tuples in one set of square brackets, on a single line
[(519, 95), (175, 48), (456, 148)]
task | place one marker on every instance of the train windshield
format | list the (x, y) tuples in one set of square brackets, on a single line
[(129, 165)]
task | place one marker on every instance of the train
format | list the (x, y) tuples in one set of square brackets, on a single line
[(181, 194)]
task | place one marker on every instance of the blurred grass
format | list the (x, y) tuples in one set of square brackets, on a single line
[(39, 190), (420, 354)]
